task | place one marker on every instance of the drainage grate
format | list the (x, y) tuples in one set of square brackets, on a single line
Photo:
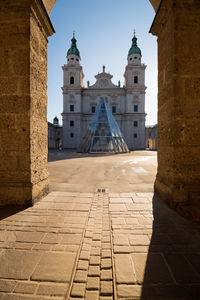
[(101, 190)]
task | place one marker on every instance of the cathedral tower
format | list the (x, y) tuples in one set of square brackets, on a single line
[(135, 96), (72, 87)]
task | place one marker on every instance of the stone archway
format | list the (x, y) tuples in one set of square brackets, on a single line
[(50, 3), (25, 26)]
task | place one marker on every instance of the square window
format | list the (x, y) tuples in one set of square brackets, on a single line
[(71, 135), (93, 109), (135, 135), (135, 123), (135, 108), (114, 109), (71, 123), (71, 107)]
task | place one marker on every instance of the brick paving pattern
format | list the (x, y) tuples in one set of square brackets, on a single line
[(99, 246)]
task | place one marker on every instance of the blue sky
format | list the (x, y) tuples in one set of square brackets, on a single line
[(104, 29)]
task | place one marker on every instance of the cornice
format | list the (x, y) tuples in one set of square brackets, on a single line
[(142, 66), (108, 92), (161, 17), (39, 13), (130, 89), (66, 67)]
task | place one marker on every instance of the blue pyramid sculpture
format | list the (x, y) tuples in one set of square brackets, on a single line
[(103, 134)]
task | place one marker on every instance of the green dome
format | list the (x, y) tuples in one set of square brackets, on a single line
[(73, 49), (134, 48)]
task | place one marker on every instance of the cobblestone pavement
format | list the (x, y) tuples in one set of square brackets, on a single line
[(98, 246)]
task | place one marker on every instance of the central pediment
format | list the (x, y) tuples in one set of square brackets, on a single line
[(103, 80)]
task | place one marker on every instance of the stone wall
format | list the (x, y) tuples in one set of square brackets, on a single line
[(40, 29), (177, 26), (23, 100), (155, 4), (24, 28), (50, 3)]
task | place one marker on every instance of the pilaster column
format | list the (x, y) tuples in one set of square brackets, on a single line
[(24, 28), (177, 26)]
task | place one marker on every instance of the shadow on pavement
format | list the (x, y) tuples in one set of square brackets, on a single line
[(55, 155), (172, 268), (7, 211)]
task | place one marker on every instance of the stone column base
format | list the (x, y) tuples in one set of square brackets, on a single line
[(185, 200), (23, 194)]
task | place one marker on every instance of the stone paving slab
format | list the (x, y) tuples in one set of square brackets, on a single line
[(99, 246)]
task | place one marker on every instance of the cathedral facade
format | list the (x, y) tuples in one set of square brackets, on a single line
[(126, 103)]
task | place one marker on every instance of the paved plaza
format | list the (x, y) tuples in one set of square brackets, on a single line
[(127, 172), (94, 238)]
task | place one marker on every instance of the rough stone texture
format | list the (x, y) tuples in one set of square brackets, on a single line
[(92, 295), (23, 101), (125, 272), (25, 287), (155, 4), (78, 290), (93, 283), (178, 174), (52, 289), (50, 3), (54, 267), (23, 172), (167, 267), (18, 264)]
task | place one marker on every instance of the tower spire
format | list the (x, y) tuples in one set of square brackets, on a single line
[(73, 49), (134, 48)]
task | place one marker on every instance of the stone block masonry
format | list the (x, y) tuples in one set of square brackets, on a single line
[(76, 246), (178, 174), (24, 28)]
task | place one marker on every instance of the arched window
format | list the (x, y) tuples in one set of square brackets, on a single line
[(135, 79), (71, 80)]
